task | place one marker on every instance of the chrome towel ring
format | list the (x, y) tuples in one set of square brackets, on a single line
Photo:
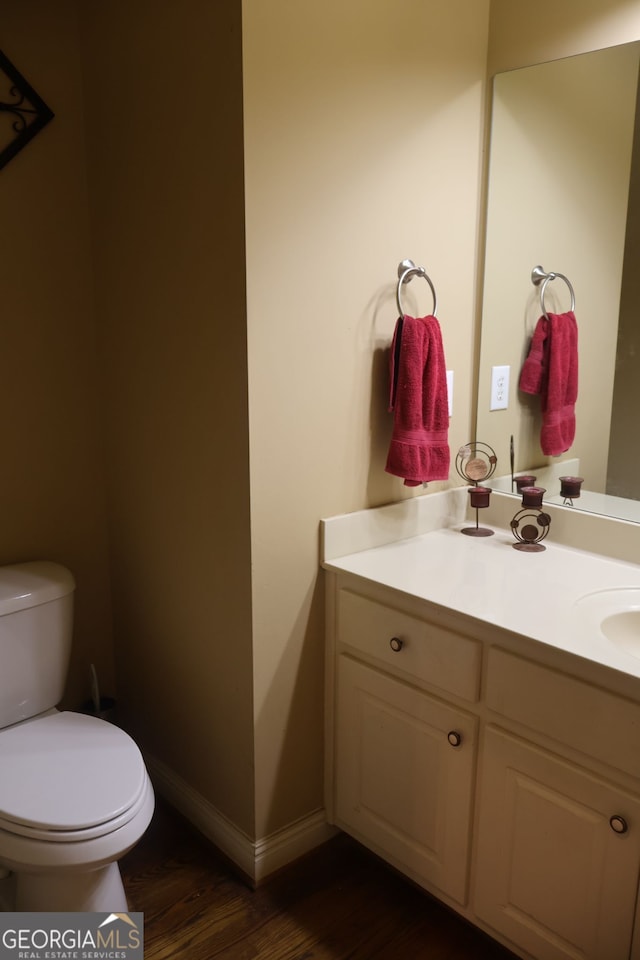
[(540, 276), (406, 270)]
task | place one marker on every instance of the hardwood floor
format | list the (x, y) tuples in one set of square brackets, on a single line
[(336, 903)]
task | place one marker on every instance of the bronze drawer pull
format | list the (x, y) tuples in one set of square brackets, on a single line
[(618, 824)]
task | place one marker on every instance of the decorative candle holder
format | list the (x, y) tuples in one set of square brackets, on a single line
[(476, 462), (478, 497), (530, 534), (526, 480), (570, 489)]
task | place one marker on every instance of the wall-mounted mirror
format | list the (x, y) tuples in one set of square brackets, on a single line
[(564, 192)]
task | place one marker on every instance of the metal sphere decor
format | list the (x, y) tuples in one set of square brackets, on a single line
[(527, 533), (476, 462)]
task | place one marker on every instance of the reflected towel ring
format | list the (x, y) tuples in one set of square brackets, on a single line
[(540, 276), (407, 269)]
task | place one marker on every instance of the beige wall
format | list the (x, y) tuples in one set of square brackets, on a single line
[(523, 34), (163, 89), (51, 481), (362, 146)]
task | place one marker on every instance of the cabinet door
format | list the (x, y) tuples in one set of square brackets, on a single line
[(404, 775), (557, 856)]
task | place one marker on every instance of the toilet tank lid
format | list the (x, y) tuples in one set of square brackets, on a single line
[(24, 585)]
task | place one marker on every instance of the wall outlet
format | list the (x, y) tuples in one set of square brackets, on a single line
[(499, 388), (450, 391)]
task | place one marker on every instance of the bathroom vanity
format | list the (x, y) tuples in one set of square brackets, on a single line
[(483, 732)]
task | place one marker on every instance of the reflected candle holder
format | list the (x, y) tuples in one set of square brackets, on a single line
[(570, 489), (532, 496), (476, 462), (526, 480)]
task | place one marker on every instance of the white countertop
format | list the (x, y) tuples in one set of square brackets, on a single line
[(530, 594)]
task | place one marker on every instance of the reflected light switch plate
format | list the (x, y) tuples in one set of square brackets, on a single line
[(499, 388)]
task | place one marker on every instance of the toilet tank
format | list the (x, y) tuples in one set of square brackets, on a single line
[(36, 619)]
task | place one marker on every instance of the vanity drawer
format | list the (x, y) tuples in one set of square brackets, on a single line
[(427, 652), (587, 718)]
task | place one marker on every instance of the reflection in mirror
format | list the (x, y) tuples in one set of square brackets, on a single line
[(563, 193)]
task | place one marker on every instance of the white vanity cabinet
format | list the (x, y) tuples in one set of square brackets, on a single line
[(558, 843), (404, 775), (557, 854), (405, 754), (503, 783)]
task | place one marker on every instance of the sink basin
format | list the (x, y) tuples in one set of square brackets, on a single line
[(616, 613), (624, 629)]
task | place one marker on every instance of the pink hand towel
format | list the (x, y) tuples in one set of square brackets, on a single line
[(419, 449), (551, 369)]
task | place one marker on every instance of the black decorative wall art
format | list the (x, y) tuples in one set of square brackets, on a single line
[(22, 112)]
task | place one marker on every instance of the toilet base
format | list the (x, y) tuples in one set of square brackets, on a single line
[(99, 891)]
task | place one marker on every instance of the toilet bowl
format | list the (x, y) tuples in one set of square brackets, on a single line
[(75, 795)]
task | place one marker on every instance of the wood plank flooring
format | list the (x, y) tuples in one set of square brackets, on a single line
[(336, 903)]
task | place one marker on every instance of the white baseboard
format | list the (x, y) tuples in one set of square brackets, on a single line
[(255, 858)]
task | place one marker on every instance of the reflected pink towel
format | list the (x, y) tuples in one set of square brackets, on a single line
[(419, 449), (551, 369)]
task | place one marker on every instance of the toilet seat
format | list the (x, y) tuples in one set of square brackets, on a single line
[(69, 777), (68, 836)]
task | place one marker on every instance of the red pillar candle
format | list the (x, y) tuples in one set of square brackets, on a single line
[(479, 496)]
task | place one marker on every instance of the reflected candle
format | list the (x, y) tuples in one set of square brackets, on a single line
[(532, 496), (570, 487), (526, 480)]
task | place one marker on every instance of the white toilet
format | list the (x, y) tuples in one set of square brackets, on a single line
[(74, 791)]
